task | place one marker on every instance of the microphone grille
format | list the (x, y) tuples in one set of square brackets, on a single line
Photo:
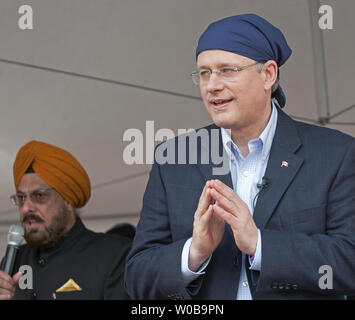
[(15, 235)]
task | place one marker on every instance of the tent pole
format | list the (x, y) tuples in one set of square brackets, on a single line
[(319, 65)]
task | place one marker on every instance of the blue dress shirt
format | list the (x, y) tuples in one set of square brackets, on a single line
[(246, 173)]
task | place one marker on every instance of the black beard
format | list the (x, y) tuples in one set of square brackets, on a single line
[(51, 234)]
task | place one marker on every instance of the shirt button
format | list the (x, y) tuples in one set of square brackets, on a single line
[(232, 158), (42, 262), (245, 173), (281, 286), (245, 284), (33, 295)]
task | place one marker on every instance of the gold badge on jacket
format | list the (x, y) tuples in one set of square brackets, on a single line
[(69, 286)]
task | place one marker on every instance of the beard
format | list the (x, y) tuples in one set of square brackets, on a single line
[(49, 236)]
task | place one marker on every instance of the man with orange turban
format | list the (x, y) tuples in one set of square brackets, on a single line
[(68, 261)]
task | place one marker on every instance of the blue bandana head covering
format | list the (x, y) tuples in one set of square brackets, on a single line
[(251, 36)]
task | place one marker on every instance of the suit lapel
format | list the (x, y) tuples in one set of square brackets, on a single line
[(286, 142), (215, 151), (282, 167)]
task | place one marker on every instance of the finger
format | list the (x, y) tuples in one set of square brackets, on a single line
[(224, 215), (207, 215), (225, 190), (203, 194), (17, 276), (200, 203), (223, 202), (204, 202), (5, 291), (7, 284), (5, 276), (203, 191), (7, 294)]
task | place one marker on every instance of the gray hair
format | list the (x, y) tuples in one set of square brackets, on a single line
[(274, 87)]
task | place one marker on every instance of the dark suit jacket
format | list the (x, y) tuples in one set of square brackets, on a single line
[(306, 216), (95, 261)]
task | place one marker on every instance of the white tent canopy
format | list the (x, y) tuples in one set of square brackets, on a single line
[(89, 70)]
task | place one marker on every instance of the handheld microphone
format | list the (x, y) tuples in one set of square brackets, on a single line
[(14, 239)]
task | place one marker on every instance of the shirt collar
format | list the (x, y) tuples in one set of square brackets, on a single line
[(266, 137)]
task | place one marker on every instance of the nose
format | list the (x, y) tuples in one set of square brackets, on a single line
[(27, 206), (215, 83)]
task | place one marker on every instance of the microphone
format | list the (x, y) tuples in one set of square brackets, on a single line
[(261, 186), (14, 239), (264, 183)]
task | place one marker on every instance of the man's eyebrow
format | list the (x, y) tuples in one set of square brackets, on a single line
[(34, 190), (220, 65)]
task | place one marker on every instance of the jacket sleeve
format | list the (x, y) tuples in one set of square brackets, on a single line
[(153, 269), (293, 260)]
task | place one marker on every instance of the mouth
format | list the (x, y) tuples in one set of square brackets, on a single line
[(219, 104), (32, 221)]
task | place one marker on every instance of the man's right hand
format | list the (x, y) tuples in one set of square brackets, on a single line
[(8, 285), (208, 230)]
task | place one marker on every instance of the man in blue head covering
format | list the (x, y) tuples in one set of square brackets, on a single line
[(250, 36), (284, 211)]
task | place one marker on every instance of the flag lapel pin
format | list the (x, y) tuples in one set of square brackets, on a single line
[(284, 164)]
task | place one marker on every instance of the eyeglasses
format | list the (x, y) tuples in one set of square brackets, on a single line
[(39, 196), (226, 73)]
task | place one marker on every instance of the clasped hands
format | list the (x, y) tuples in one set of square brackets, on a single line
[(218, 205)]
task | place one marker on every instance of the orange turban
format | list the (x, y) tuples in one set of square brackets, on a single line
[(58, 168)]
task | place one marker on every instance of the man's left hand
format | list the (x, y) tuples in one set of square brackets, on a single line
[(236, 213)]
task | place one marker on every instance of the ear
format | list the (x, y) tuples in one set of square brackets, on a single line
[(69, 207), (269, 73)]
